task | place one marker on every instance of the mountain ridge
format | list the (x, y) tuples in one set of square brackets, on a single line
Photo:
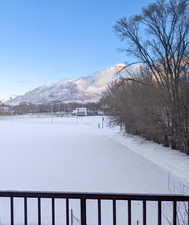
[(83, 89)]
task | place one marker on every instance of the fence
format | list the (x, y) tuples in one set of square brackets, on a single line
[(99, 197)]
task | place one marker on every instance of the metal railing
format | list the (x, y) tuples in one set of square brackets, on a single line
[(99, 197)]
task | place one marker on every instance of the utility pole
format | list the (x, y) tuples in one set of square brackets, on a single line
[(102, 122), (52, 113)]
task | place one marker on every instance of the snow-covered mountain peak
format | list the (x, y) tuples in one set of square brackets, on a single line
[(84, 89)]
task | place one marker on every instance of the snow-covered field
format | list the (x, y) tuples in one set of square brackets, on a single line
[(73, 154), (69, 154)]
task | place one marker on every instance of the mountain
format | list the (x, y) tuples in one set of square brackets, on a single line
[(84, 89)]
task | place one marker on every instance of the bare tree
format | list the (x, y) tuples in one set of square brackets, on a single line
[(159, 39)]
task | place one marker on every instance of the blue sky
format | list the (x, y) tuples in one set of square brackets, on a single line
[(44, 41)]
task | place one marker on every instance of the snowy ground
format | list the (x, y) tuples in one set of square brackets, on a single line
[(69, 154)]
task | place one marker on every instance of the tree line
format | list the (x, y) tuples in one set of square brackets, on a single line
[(152, 99), (52, 107)]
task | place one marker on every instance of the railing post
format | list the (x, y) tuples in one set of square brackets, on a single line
[(39, 211), (12, 210), (188, 213), (129, 212), (25, 211), (144, 212), (114, 212), (83, 212), (174, 213), (99, 212), (159, 213), (53, 211), (67, 212)]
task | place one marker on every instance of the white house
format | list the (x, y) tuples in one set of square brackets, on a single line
[(80, 112)]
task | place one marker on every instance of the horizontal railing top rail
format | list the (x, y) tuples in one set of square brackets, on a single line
[(103, 196)]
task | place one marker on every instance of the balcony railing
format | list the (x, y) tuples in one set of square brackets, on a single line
[(144, 199)]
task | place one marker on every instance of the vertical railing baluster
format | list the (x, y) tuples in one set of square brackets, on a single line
[(25, 211), (12, 210), (39, 211), (129, 212), (99, 212), (174, 212), (114, 212), (83, 211), (144, 212), (159, 213), (67, 212), (53, 211), (188, 213)]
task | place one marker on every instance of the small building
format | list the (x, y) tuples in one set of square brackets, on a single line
[(87, 112), (6, 109), (80, 112)]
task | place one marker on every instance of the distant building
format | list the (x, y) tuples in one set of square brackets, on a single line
[(100, 113), (80, 112), (86, 112), (6, 109)]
